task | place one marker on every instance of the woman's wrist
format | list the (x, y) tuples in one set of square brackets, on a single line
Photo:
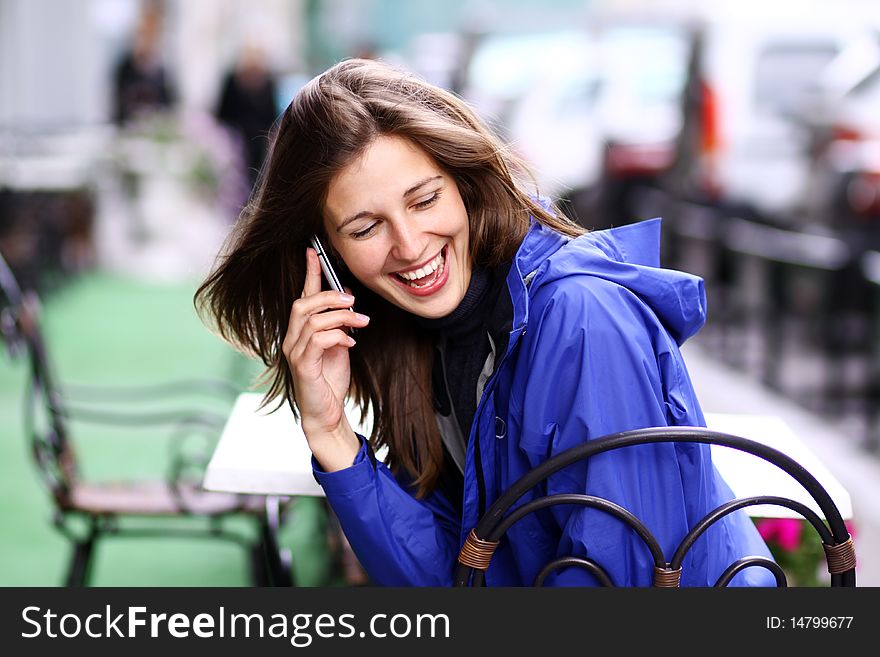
[(336, 449)]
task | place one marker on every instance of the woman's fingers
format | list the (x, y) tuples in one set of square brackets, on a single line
[(316, 347), (318, 343), (313, 273), (312, 299), (336, 319), (305, 307), (322, 323), (319, 302)]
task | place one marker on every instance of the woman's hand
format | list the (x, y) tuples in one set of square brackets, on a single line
[(316, 347)]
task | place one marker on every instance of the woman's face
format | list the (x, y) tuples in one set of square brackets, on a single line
[(398, 221)]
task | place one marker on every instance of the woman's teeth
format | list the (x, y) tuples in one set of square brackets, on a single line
[(430, 271)]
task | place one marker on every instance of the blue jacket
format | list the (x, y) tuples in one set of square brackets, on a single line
[(594, 350)]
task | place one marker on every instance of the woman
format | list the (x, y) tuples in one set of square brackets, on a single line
[(487, 333)]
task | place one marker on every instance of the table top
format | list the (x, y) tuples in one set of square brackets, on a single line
[(266, 453)]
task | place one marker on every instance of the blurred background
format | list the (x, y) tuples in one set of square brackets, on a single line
[(131, 133)]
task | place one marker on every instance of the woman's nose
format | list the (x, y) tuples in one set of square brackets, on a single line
[(409, 244)]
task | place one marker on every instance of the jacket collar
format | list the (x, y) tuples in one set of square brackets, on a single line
[(537, 246)]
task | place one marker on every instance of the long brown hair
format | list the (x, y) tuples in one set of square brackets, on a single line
[(261, 269)]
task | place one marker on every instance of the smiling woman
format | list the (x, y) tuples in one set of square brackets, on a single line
[(492, 333), (411, 246)]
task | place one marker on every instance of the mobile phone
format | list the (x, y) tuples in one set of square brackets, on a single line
[(326, 267)]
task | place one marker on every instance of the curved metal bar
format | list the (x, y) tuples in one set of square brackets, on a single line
[(584, 500), (577, 562), (8, 282), (48, 441), (141, 418), (749, 562), (12, 338), (653, 435), (184, 459), (142, 393), (568, 498), (725, 509)]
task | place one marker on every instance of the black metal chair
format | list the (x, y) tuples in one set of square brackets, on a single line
[(476, 554), (159, 507)]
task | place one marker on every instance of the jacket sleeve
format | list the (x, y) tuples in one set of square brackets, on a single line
[(614, 368), (400, 540)]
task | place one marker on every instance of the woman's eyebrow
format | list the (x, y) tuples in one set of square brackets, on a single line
[(421, 184), (367, 213), (359, 215)]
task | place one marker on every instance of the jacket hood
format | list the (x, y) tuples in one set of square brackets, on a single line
[(627, 255)]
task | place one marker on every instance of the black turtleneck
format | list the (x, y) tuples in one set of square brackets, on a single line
[(465, 334)]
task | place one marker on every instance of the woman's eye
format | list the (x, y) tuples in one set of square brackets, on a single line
[(365, 232), (428, 202)]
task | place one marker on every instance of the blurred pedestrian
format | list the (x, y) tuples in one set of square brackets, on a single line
[(492, 333), (140, 82), (248, 106)]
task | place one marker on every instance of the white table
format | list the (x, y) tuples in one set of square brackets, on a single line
[(266, 453), (749, 475)]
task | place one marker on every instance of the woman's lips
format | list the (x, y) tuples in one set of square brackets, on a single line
[(435, 285)]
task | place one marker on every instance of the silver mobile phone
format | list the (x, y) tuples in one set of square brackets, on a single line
[(326, 267)]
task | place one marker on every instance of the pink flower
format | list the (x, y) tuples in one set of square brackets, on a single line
[(785, 532)]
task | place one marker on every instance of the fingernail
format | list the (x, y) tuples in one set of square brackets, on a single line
[(362, 318), (346, 298)]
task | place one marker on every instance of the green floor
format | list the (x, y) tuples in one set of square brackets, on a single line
[(109, 330)]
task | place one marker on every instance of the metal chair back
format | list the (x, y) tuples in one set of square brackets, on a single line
[(45, 415), (476, 554), (48, 416)]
